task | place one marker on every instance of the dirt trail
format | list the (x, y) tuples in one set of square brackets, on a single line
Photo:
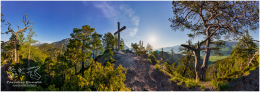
[(208, 86), (4, 85)]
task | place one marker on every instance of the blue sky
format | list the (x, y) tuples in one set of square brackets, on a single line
[(55, 20)]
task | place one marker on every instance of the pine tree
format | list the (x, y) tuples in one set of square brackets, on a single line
[(246, 45), (134, 47), (84, 36), (122, 44), (186, 64), (214, 20), (108, 40), (96, 43), (73, 52)]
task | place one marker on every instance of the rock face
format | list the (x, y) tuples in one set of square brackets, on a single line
[(141, 75), (247, 83), (4, 77)]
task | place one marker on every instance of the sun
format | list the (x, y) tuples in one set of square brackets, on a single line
[(152, 39)]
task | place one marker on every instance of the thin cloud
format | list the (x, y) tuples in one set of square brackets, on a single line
[(120, 12), (133, 32), (135, 19), (108, 10)]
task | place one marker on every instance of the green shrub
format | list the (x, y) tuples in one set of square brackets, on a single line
[(202, 87), (157, 66), (221, 85), (98, 78), (153, 59), (108, 56), (149, 60)]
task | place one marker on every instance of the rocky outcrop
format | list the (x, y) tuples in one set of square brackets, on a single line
[(141, 75), (246, 83)]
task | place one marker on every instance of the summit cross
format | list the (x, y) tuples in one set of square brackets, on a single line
[(118, 32)]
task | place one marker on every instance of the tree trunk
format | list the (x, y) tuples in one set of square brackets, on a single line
[(18, 56), (93, 54), (82, 62), (28, 59), (197, 64), (196, 52), (257, 52), (248, 59), (75, 69), (205, 60), (15, 54), (241, 63), (48, 68), (96, 52)]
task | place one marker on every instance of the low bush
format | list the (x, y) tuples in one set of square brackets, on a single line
[(153, 59), (221, 85)]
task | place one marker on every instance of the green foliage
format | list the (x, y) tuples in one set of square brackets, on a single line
[(96, 43), (108, 40), (153, 59), (176, 77), (108, 56), (186, 67), (52, 88), (73, 52), (83, 37), (157, 66), (122, 44), (221, 85), (134, 47), (237, 63), (29, 40), (99, 78), (139, 48)]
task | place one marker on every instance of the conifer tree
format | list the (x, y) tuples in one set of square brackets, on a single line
[(214, 19), (187, 62), (122, 44), (116, 41), (84, 36), (246, 45), (108, 40), (96, 43), (134, 47), (73, 52)]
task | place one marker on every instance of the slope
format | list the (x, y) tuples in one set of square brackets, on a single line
[(141, 75)]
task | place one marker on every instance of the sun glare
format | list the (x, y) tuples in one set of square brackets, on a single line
[(152, 39)]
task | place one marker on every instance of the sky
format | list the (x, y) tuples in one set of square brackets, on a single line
[(55, 20)]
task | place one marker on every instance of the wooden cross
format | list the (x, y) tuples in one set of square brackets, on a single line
[(119, 30)]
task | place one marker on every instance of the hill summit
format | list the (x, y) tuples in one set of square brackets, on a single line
[(142, 75)]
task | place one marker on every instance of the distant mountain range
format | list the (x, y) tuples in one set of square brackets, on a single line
[(62, 45), (57, 46), (225, 51)]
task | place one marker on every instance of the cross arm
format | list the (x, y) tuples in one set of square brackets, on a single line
[(120, 30)]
